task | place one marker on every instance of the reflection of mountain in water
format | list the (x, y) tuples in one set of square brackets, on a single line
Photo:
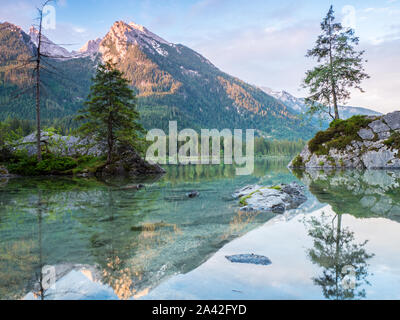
[(370, 193), (134, 238)]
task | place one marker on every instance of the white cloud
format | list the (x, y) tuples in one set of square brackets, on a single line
[(79, 29), (276, 58)]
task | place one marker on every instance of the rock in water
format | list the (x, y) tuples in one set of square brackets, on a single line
[(193, 194), (276, 199), (133, 187), (249, 258), (373, 144), (130, 163)]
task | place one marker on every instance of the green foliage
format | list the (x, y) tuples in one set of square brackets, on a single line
[(338, 135), (298, 162), (88, 164), (22, 164), (268, 147), (340, 68), (394, 142), (110, 116), (29, 166), (279, 188)]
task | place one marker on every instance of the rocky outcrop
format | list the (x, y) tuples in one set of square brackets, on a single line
[(275, 199), (375, 145), (129, 163), (61, 145)]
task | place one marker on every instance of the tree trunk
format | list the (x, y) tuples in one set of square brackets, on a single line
[(335, 106), (337, 254), (109, 141), (38, 135)]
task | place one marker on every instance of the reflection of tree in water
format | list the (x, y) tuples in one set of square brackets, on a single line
[(335, 249)]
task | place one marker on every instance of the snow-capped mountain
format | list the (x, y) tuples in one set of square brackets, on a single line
[(49, 47), (172, 83), (298, 105)]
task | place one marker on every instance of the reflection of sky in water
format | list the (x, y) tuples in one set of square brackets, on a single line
[(110, 243), (289, 276)]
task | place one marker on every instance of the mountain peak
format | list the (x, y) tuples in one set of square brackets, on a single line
[(138, 27), (48, 47), (92, 46), (33, 30), (133, 30), (123, 34)]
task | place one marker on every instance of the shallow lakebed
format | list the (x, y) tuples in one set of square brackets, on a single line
[(100, 240)]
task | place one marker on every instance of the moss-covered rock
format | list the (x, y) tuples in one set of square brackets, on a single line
[(358, 142)]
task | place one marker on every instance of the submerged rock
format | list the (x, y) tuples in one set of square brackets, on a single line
[(133, 187), (193, 194), (276, 199), (249, 258)]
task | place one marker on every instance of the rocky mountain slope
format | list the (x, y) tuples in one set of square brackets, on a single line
[(359, 142), (172, 81), (66, 82)]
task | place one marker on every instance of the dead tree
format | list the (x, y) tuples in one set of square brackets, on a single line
[(37, 71)]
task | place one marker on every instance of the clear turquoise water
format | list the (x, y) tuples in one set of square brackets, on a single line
[(106, 242)]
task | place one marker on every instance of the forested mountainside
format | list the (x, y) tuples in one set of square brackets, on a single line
[(172, 82)]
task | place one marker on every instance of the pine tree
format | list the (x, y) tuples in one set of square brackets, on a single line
[(110, 113), (340, 68)]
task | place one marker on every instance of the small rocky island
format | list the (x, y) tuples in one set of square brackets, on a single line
[(275, 199), (362, 142), (69, 155)]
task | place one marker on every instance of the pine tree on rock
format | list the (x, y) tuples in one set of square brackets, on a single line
[(110, 116), (340, 68)]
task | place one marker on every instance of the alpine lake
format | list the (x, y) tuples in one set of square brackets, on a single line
[(98, 239)]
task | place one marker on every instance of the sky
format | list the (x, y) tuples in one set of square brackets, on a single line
[(262, 42)]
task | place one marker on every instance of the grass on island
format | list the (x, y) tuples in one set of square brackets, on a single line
[(22, 164), (394, 142), (339, 135)]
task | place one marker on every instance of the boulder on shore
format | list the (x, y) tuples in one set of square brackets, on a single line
[(275, 199), (360, 142)]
